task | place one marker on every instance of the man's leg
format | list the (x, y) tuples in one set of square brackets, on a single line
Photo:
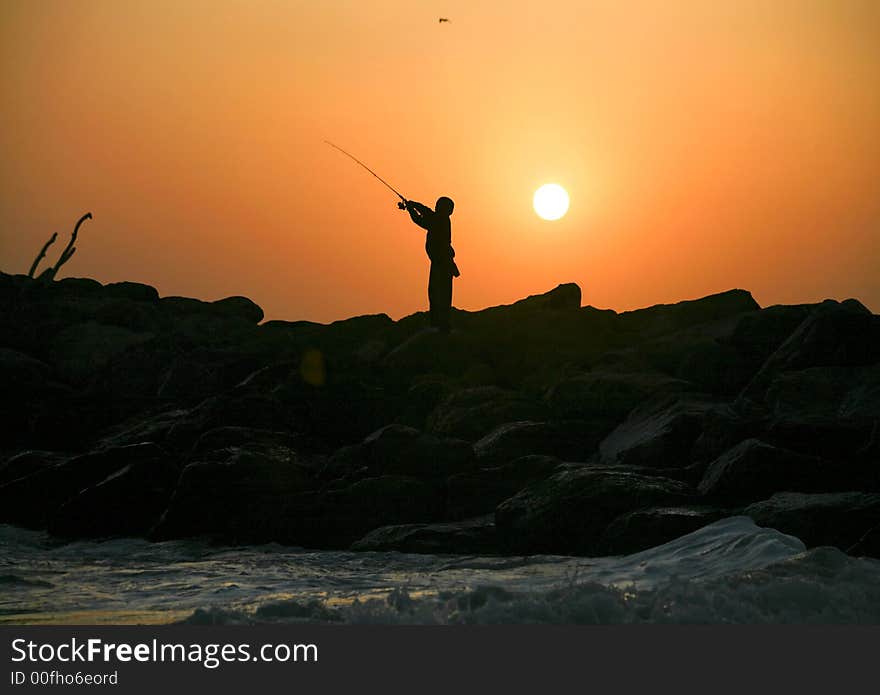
[(444, 301), (433, 297)]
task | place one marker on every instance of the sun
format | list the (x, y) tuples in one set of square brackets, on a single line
[(550, 201)]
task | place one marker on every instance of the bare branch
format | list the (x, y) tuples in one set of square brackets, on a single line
[(68, 251), (41, 255)]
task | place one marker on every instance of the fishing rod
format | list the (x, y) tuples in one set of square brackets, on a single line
[(402, 204)]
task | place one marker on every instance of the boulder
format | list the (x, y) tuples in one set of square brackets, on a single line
[(757, 335), (231, 437), (146, 428), (240, 496), (608, 395), (868, 545), (648, 528), (402, 450), (754, 470), (479, 492), (363, 336), (21, 374), (32, 500), (661, 433), (137, 316), (128, 502), (849, 394), (472, 413), (240, 307), (568, 512), (230, 409), (186, 380), (81, 350), (840, 519), (564, 297), (193, 324), (28, 462), (668, 318), (347, 514), (832, 335), (78, 286), (28, 393), (134, 291), (571, 440), (835, 439), (472, 536)]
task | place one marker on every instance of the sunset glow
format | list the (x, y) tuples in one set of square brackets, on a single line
[(708, 145)]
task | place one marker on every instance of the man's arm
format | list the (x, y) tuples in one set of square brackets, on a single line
[(419, 213)]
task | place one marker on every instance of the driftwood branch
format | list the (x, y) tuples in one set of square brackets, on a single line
[(50, 273), (41, 254)]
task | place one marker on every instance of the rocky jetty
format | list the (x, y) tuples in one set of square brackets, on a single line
[(539, 427)]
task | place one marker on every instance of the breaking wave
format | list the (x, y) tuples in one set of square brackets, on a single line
[(731, 571)]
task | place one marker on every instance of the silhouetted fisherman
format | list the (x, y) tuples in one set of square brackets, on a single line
[(438, 245)]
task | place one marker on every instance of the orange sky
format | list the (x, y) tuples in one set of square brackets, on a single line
[(705, 145)]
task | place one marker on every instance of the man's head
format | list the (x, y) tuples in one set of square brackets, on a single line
[(444, 206)]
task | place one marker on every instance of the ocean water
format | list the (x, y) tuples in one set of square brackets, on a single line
[(731, 571)]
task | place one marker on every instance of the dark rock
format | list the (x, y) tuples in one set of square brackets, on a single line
[(667, 318), (817, 392), (349, 513), (27, 394), (27, 463), (32, 501), (472, 536), (833, 439), (479, 492), (192, 324), (402, 450), (354, 333), (247, 496), (83, 349), (754, 470), (573, 441), (472, 413), (422, 398), (247, 410), (128, 502), (140, 317), (564, 297), (20, 373), (868, 545), (757, 335), (608, 395), (78, 286), (645, 395), (708, 362), (832, 335), (840, 519), (569, 512), (180, 306), (186, 380), (661, 433), (223, 438), (146, 428), (240, 307), (647, 528), (135, 291)]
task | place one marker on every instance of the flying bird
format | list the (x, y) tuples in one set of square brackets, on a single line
[(442, 19)]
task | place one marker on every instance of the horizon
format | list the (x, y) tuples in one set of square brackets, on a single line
[(194, 134)]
